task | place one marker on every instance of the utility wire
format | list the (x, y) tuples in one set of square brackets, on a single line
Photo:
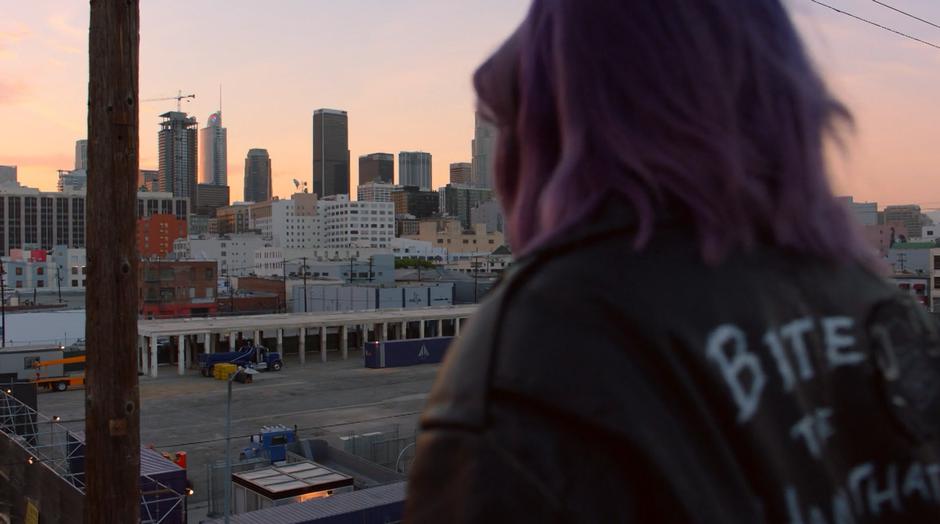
[(876, 24), (905, 13)]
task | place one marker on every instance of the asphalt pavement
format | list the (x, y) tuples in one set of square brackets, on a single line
[(325, 400)]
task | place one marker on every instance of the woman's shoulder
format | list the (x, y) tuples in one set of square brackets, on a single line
[(543, 313)]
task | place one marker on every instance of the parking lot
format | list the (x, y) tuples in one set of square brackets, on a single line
[(333, 399)]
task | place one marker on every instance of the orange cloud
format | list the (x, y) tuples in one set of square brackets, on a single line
[(11, 36), (13, 91)]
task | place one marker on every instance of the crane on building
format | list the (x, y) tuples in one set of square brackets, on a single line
[(179, 98)]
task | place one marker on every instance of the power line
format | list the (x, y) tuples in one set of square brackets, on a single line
[(905, 13), (876, 24)]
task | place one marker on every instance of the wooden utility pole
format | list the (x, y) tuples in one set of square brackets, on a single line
[(112, 399)]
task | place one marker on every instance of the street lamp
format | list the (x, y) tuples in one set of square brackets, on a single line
[(228, 441)]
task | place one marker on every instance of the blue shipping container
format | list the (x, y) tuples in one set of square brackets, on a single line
[(398, 353)]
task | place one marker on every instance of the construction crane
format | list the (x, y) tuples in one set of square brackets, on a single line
[(179, 98), (61, 382)]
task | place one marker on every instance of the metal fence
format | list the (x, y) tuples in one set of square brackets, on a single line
[(215, 479), (387, 448), (51, 443)]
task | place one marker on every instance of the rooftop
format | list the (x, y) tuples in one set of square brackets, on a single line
[(292, 480), (915, 245), (196, 326)]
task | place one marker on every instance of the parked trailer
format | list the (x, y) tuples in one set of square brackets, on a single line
[(398, 353), (258, 357), (19, 360)]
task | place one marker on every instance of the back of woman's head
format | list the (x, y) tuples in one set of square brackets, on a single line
[(709, 110)]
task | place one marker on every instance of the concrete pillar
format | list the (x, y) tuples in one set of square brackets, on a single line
[(280, 342), (323, 343), (257, 337), (344, 341), (142, 354), (180, 355), (153, 357), (302, 346), (207, 347), (421, 328), (384, 332), (439, 332), (231, 340), (456, 327), (404, 331)]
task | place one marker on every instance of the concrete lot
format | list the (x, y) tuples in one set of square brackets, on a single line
[(187, 413)]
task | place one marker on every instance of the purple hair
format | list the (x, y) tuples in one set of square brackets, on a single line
[(707, 109)]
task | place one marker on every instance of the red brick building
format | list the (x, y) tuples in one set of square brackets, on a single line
[(174, 289), (156, 233)]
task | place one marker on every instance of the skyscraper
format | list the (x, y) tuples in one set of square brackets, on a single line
[(409, 200), (213, 155), (8, 175), (81, 154), (414, 169), (461, 173), (148, 180), (258, 176), (330, 152), (484, 137), (177, 152), (909, 215), (377, 167), (458, 201), (210, 197)]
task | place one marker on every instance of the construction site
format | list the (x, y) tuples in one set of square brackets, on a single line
[(354, 424)]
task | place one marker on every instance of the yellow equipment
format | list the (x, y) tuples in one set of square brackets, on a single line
[(60, 383)]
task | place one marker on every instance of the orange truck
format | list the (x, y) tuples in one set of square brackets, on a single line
[(59, 383)]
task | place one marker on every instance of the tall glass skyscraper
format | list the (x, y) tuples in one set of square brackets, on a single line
[(258, 176), (213, 155), (177, 163), (81, 154), (330, 152), (377, 167), (414, 169), (484, 138)]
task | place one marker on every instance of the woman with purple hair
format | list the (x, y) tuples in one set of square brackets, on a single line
[(693, 331)]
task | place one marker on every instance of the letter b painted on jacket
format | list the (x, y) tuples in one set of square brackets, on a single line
[(727, 347)]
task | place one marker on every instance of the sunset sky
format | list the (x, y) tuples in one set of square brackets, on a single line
[(401, 68)]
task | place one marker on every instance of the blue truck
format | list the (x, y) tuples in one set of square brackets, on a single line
[(257, 357), (271, 442)]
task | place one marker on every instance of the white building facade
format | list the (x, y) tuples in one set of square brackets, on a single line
[(420, 249), (375, 192), (346, 224), (235, 254)]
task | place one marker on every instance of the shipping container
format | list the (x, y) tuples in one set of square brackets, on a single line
[(398, 353)]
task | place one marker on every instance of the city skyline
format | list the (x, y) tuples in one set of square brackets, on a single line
[(885, 80)]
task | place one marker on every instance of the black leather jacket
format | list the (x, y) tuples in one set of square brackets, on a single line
[(598, 384)]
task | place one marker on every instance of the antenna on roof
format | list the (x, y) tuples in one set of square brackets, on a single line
[(220, 97)]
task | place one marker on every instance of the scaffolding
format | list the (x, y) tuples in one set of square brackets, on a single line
[(48, 442)]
